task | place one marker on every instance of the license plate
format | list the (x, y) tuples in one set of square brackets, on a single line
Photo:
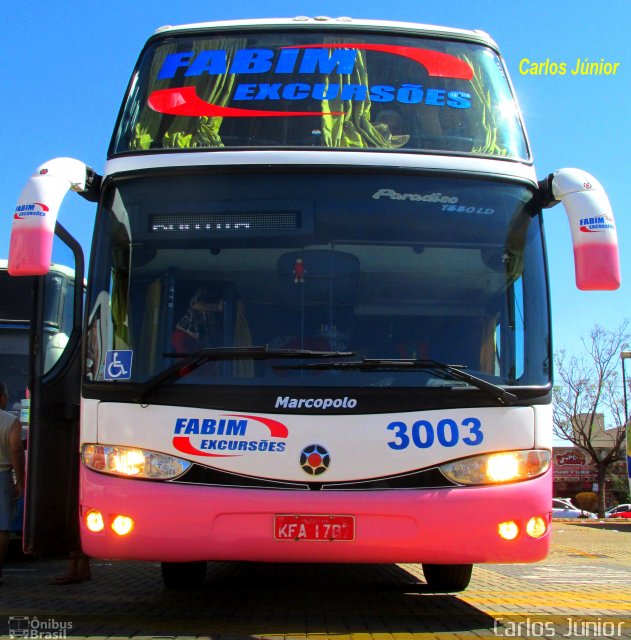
[(317, 528)]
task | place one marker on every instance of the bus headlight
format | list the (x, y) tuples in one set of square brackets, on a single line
[(498, 468), (132, 462)]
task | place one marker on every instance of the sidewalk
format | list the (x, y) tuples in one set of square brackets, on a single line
[(586, 577)]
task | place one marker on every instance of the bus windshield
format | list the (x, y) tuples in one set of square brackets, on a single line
[(348, 91), (16, 309), (376, 264), (16, 302)]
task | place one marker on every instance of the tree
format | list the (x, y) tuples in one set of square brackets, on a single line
[(586, 387)]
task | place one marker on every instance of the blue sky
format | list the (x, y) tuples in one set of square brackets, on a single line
[(66, 66)]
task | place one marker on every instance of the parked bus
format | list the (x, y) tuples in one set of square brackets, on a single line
[(16, 308), (16, 304), (317, 324)]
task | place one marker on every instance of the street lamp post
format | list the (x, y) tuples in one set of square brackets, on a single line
[(624, 355)]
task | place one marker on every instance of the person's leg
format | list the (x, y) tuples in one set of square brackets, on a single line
[(4, 548), (78, 570), (83, 566), (7, 511)]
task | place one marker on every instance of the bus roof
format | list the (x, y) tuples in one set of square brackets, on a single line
[(326, 22)]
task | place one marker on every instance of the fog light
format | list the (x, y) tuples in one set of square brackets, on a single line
[(508, 530), (536, 527), (94, 521), (122, 525)]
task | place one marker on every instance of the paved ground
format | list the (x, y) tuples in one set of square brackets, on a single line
[(583, 590)]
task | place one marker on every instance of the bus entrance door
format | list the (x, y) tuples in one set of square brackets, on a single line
[(51, 505)]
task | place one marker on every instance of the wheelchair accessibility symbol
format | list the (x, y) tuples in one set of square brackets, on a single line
[(117, 365)]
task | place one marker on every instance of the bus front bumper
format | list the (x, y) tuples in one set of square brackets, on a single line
[(184, 523)]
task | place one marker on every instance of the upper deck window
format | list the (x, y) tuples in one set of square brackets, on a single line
[(343, 91)]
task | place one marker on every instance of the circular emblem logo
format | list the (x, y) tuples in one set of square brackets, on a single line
[(314, 459)]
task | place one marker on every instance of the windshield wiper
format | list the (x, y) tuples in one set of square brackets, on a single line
[(445, 371), (191, 361)]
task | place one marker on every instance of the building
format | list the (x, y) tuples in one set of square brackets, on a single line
[(574, 471)]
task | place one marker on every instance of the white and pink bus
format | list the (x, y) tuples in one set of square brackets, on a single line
[(317, 322)]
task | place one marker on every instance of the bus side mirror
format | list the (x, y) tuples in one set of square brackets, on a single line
[(35, 215), (596, 259)]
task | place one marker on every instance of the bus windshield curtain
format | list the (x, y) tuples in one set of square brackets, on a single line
[(169, 132), (120, 309), (488, 346), (120, 293), (354, 128), (242, 338), (490, 129)]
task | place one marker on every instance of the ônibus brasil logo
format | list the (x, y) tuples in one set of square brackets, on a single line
[(35, 209), (228, 436), (305, 60)]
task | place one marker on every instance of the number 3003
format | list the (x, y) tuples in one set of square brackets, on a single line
[(447, 433)]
